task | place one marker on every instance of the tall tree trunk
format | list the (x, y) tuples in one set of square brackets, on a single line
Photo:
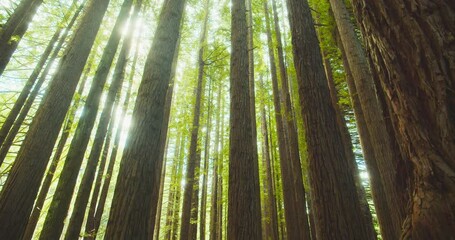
[(156, 233), (388, 229), (173, 188), (58, 210), (335, 204), (271, 201), (292, 137), (15, 28), (139, 177), (205, 171), (164, 137), (414, 61), (45, 186), (387, 159), (214, 211), (292, 212), (12, 115), (178, 191), (347, 143), (100, 174), (97, 207), (220, 200), (244, 211), (190, 195), (24, 107), (21, 187), (252, 94), (86, 184)]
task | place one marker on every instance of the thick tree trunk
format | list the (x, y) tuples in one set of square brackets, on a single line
[(139, 177), (190, 196), (164, 136), (387, 159), (244, 203), (15, 28), (19, 103), (58, 210), (335, 204), (21, 187), (415, 63), (25, 101), (45, 186)]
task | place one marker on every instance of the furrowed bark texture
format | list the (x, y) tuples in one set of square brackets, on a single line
[(244, 210), (412, 51), (335, 205)]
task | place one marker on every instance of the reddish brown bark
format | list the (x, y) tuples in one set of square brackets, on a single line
[(336, 208), (411, 47)]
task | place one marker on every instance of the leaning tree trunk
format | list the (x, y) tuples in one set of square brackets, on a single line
[(19, 103), (388, 229), (85, 187), (24, 104), (347, 143), (388, 160), (22, 184), (15, 28), (45, 186), (335, 205), (244, 206), (58, 210), (415, 63), (133, 207)]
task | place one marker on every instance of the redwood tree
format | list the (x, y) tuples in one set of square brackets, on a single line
[(244, 210), (335, 205), (136, 193), (411, 46)]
